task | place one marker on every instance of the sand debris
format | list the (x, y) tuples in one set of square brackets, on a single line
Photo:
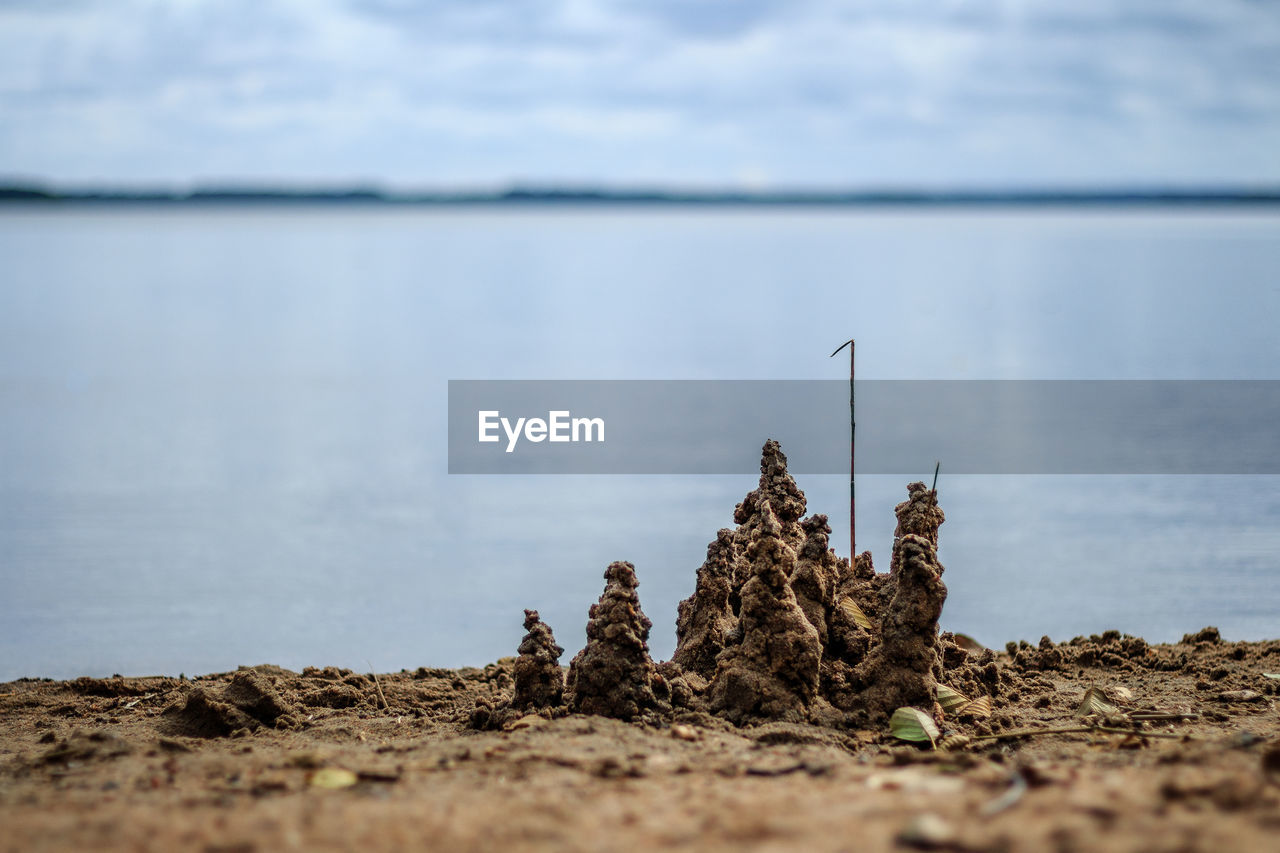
[(83, 745), (249, 702)]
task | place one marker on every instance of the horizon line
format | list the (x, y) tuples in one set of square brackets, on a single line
[(32, 192)]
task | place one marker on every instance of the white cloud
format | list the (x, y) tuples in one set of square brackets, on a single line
[(895, 91)]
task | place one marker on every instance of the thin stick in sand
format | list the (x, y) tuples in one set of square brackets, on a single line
[(378, 685), (853, 445)]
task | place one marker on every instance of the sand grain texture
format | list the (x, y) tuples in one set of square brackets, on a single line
[(94, 767)]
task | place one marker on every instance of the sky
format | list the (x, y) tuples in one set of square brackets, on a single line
[(755, 94)]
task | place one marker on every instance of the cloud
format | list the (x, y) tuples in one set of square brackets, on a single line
[(713, 19), (485, 91)]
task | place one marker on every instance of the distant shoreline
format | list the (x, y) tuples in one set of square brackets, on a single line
[(34, 195)]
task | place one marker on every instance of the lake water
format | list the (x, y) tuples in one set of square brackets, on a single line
[(222, 431)]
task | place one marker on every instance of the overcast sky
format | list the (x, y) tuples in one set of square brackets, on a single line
[(694, 92)]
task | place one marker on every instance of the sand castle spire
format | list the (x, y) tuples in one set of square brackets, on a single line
[(899, 669), (539, 679), (613, 675), (706, 617), (816, 575), (918, 515), (779, 488), (773, 671)]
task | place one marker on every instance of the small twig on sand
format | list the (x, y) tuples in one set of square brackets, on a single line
[(1069, 730), (1165, 735), (378, 685)]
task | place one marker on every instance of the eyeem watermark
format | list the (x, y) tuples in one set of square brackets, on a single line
[(558, 426), (973, 426)]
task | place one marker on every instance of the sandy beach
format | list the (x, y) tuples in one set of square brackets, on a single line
[(97, 764)]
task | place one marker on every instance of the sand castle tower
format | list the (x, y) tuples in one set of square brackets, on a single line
[(779, 488), (705, 618), (613, 675), (918, 515), (816, 575), (539, 679), (773, 671), (899, 669)]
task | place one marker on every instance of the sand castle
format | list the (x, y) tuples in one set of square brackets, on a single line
[(539, 679), (613, 676), (777, 628)]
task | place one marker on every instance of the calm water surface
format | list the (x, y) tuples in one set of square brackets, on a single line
[(222, 431)]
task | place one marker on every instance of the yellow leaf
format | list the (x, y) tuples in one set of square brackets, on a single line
[(854, 613), (332, 778), (1094, 702), (950, 699)]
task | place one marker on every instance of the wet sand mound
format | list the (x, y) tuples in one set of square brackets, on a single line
[(248, 702)]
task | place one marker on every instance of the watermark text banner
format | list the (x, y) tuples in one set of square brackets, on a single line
[(903, 426)]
